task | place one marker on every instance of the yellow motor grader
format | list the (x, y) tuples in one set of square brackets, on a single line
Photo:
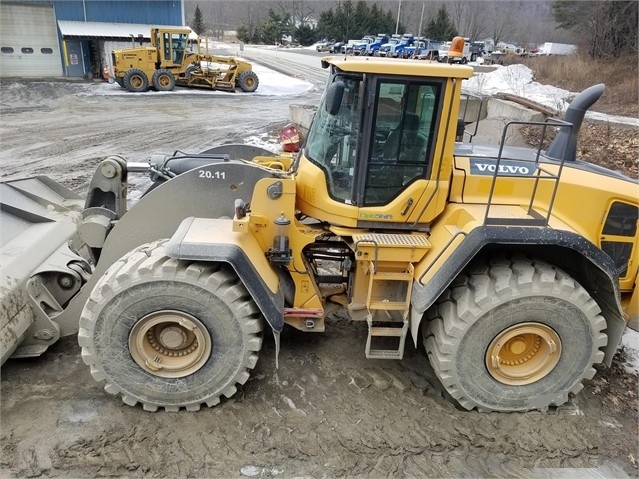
[(516, 266), (170, 61)]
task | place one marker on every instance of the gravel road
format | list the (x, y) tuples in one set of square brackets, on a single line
[(326, 412)]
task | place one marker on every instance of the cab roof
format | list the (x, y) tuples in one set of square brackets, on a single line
[(388, 66)]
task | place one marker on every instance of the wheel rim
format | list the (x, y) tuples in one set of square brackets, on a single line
[(249, 82), (136, 81), (164, 81), (170, 344), (523, 354)]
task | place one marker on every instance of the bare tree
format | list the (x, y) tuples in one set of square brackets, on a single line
[(301, 12), (471, 18), (502, 18)]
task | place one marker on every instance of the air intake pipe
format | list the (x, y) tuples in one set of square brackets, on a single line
[(566, 140)]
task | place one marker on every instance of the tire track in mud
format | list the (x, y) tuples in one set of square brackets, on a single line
[(326, 412)]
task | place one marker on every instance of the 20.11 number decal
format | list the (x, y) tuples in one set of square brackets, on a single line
[(215, 175)]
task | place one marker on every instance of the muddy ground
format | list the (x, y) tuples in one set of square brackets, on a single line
[(326, 412)]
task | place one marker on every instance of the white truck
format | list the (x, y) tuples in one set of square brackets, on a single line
[(550, 48)]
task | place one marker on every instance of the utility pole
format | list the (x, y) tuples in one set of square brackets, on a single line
[(419, 30), (399, 10)]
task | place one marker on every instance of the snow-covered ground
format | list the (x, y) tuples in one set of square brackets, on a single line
[(630, 342)]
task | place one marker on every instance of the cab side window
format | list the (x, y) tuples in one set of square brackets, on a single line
[(166, 43)]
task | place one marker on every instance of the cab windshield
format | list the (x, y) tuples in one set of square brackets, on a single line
[(332, 139)]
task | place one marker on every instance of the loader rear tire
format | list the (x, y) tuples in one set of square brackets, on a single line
[(248, 81), (170, 334), (135, 80), (163, 80), (514, 335)]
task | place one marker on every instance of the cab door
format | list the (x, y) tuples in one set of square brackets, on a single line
[(173, 48), (398, 183)]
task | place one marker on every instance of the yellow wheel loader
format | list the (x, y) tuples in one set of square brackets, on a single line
[(170, 61), (516, 267)]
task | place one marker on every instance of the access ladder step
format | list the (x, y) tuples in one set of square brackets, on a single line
[(388, 332), (393, 276), (388, 305), (377, 352), (384, 354)]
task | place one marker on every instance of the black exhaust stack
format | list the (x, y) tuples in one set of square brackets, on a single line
[(566, 139)]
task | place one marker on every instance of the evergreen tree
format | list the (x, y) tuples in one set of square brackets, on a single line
[(274, 27), (350, 21), (305, 35), (441, 27), (197, 24)]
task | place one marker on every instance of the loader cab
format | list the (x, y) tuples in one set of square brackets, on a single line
[(375, 155)]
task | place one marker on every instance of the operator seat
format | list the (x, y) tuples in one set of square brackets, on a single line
[(411, 141)]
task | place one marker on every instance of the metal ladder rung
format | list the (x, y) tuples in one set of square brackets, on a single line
[(384, 354), (388, 305), (392, 276), (387, 332)]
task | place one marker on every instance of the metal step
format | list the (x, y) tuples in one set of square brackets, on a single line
[(393, 276), (387, 305), (386, 332), (384, 354)]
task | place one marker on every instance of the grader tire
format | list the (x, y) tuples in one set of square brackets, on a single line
[(163, 80), (169, 334), (248, 81), (135, 80), (514, 335)]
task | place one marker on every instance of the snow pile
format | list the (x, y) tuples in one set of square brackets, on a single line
[(517, 80), (630, 342)]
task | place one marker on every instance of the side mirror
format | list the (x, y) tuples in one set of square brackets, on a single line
[(334, 94)]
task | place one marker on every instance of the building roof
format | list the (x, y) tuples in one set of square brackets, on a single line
[(110, 30)]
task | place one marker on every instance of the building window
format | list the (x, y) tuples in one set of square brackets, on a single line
[(28, 50), (6, 50), (46, 51)]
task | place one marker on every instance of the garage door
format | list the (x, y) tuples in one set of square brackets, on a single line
[(29, 41)]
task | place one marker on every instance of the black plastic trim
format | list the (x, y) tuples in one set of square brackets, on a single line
[(271, 304), (423, 296)]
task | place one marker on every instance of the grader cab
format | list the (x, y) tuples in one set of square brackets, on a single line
[(172, 59), (517, 267)]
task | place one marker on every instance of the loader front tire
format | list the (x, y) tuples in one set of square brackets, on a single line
[(163, 80), (514, 335), (170, 334), (248, 81), (135, 80)]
